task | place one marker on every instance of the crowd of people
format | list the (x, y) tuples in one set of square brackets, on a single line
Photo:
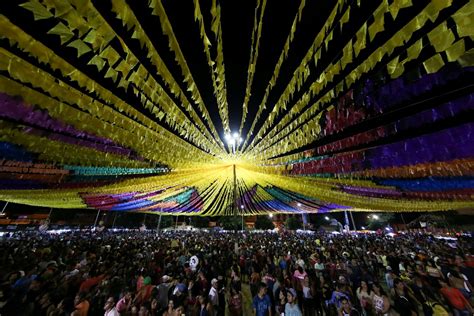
[(241, 273)]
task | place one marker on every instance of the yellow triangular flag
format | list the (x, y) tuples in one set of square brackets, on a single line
[(81, 47)]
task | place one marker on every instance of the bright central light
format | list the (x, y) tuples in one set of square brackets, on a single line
[(326, 218), (270, 215), (299, 204), (233, 140), (242, 207)]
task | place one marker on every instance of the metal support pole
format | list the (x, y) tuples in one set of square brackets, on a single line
[(96, 218), (4, 208), (158, 226), (234, 205), (235, 193), (302, 220), (176, 221), (346, 221), (403, 220), (49, 215), (115, 218), (353, 222)]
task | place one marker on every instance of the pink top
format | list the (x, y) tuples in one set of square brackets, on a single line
[(300, 276)]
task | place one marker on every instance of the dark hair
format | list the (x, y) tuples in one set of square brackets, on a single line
[(441, 281), (396, 281), (382, 291), (344, 299), (147, 305), (454, 273), (369, 286), (81, 295)]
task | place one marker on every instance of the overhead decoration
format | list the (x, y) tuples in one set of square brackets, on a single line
[(217, 66), (123, 106), (302, 72), (256, 35)]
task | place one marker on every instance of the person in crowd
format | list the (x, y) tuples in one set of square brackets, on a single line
[(124, 304), (281, 303), (308, 297), (319, 290), (154, 307), (291, 306), (460, 281), (170, 311), (235, 281), (389, 277), (109, 307), (235, 302), (283, 264), (424, 294), (336, 297), (319, 267), (456, 300), (300, 262), (163, 289), (433, 273), (214, 295), (262, 305), (380, 301), (145, 310), (346, 308), (365, 297), (180, 311), (403, 302), (86, 272), (298, 279), (144, 291), (205, 307), (82, 305), (255, 279)]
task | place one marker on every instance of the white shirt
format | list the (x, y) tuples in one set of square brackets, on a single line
[(464, 277), (112, 312), (292, 310), (300, 262), (214, 297)]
